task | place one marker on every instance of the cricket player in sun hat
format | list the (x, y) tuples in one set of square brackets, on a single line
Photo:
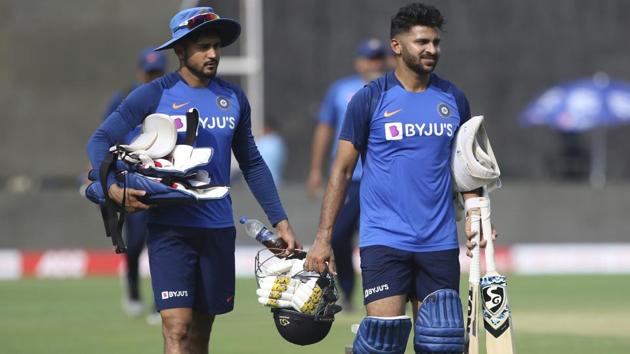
[(191, 247)]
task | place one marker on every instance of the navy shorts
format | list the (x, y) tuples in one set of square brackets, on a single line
[(389, 272), (192, 268)]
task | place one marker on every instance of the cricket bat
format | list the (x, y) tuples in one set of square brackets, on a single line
[(496, 311), (472, 323)]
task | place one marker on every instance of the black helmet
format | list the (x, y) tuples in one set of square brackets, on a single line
[(301, 328)]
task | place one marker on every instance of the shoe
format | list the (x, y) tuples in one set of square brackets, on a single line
[(133, 308), (154, 319)]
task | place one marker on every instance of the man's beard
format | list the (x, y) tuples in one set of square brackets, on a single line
[(414, 63), (199, 72)]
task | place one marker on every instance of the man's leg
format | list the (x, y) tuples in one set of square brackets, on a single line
[(341, 243), (173, 263), (200, 332), (387, 278), (214, 284), (387, 307), (136, 232), (176, 330), (439, 325)]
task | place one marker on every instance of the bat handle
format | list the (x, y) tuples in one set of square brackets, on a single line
[(486, 227), (475, 227)]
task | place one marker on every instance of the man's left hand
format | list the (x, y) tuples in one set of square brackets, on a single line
[(285, 232), (470, 234)]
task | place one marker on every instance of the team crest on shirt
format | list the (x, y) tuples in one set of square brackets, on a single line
[(223, 103), (443, 110)]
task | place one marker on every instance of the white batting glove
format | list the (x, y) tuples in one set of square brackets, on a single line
[(307, 296), (277, 286), (281, 289)]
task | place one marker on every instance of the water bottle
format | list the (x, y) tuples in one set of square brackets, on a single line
[(257, 230)]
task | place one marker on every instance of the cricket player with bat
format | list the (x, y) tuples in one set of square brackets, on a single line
[(403, 126)]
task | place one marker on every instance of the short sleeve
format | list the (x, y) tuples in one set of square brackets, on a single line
[(462, 105)]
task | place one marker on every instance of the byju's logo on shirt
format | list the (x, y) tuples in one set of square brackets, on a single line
[(171, 294), (398, 130), (214, 122), (393, 131)]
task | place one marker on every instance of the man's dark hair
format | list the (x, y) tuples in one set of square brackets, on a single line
[(416, 14)]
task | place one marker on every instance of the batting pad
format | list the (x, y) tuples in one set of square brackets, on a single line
[(158, 193), (440, 324), (382, 335), (158, 136)]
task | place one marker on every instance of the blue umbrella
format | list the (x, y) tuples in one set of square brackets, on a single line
[(587, 104), (581, 105)]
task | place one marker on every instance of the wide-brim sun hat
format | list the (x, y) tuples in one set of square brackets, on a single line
[(189, 21)]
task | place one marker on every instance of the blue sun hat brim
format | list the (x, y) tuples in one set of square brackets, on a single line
[(227, 29)]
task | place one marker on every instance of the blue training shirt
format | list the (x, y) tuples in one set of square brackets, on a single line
[(333, 110), (224, 125), (405, 141)]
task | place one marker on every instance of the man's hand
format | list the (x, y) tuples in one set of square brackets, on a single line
[(320, 257), (314, 183), (132, 204), (285, 232), (470, 234)]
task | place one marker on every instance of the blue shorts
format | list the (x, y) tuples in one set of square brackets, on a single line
[(389, 272), (192, 268)]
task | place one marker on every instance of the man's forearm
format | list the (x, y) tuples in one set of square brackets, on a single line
[(321, 141)]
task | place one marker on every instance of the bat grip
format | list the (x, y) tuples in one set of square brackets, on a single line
[(486, 227), (475, 226)]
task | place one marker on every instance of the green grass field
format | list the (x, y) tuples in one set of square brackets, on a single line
[(552, 314)]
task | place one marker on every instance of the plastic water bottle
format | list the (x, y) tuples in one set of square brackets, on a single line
[(257, 230)]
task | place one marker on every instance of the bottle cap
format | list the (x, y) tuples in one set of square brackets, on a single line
[(243, 219)]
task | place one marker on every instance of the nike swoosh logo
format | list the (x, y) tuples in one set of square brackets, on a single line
[(389, 114), (178, 106)]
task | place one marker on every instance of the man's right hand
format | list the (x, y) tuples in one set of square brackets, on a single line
[(132, 204), (320, 257)]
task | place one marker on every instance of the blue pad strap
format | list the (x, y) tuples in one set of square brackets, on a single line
[(440, 324), (382, 335)]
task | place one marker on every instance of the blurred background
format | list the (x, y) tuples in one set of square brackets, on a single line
[(62, 61), (566, 173)]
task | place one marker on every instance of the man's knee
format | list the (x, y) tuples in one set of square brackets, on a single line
[(176, 327), (388, 306), (440, 324)]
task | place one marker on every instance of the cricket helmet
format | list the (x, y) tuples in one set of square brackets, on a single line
[(473, 163), (303, 328)]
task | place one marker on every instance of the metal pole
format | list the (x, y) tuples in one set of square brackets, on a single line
[(254, 52)]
